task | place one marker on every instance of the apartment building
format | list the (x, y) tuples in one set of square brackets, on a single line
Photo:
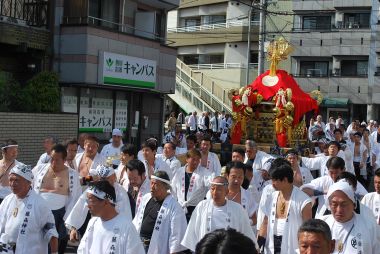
[(211, 36), (337, 52)]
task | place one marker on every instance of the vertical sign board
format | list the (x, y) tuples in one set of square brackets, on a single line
[(96, 116), (121, 114), (122, 70)]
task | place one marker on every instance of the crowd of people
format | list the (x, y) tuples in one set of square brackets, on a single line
[(176, 197)]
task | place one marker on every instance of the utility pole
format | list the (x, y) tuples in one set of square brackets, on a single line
[(247, 81), (263, 9)]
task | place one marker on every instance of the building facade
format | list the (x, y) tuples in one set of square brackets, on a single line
[(337, 52)]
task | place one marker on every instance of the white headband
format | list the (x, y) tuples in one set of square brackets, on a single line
[(8, 146), (100, 194), (219, 184), (160, 179), (22, 170), (102, 171)]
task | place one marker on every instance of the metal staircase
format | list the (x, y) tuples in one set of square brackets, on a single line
[(195, 91)]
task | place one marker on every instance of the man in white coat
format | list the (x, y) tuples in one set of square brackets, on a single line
[(108, 230), (286, 209), (26, 222), (372, 200), (113, 149), (59, 186), (160, 220), (302, 175), (352, 232), (152, 162), (90, 158), (169, 157), (209, 160), (191, 182), (138, 182), (9, 152), (216, 213), (78, 214)]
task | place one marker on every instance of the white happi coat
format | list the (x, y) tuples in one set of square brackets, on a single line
[(122, 180), (173, 163), (364, 237), (198, 187), (307, 177), (319, 163), (169, 228), (159, 165), (77, 215), (144, 189), (170, 136), (98, 160), (372, 201), (267, 192), (260, 158), (6, 190), (213, 164), (36, 220), (298, 201), (201, 222), (75, 189), (109, 150), (44, 158), (117, 236)]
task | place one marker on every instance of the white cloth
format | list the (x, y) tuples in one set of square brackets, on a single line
[(192, 122), (349, 163), (44, 158), (363, 238), (298, 201), (36, 220), (202, 222), (198, 187), (77, 215), (267, 192), (6, 190), (362, 149), (319, 163), (98, 160), (121, 176), (170, 137), (75, 189), (216, 124), (372, 201), (159, 165), (213, 164), (173, 163), (169, 228), (110, 151), (307, 177), (117, 235)]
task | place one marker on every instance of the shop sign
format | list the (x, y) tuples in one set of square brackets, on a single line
[(97, 117), (116, 69)]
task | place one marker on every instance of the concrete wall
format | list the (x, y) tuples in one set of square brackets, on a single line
[(29, 130), (230, 78)]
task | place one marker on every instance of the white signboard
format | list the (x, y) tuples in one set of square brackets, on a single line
[(121, 114), (69, 104), (96, 118), (116, 69)]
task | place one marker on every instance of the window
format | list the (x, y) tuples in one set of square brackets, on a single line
[(314, 68), (354, 67), (356, 20), (316, 22), (215, 19)]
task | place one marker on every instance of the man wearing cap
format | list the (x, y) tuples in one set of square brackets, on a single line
[(108, 231), (77, 216), (90, 158), (285, 211), (160, 220), (352, 233), (216, 213), (302, 175), (190, 183), (319, 163), (9, 151), (59, 186), (49, 142), (113, 149), (26, 222), (152, 162)]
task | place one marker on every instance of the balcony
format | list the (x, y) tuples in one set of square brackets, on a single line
[(231, 31), (339, 4), (315, 5)]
